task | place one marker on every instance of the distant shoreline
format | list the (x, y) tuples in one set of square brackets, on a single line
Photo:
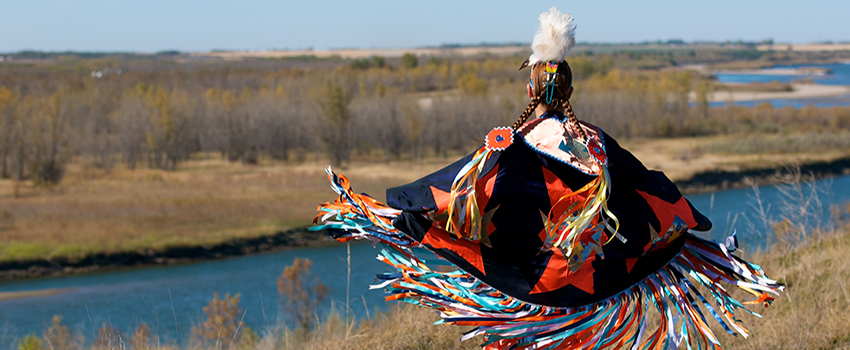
[(802, 71), (801, 91)]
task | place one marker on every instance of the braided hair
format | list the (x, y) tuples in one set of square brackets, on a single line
[(571, 116), (535, 101), (563, 81)]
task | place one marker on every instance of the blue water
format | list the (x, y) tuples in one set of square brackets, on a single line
[(162, 295), (840, 76), (738, 209), (797, 103), (170, 299)]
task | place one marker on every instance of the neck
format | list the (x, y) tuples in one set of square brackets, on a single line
[(544, 108)]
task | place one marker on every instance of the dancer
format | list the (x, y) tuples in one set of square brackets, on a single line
[(551, 235)]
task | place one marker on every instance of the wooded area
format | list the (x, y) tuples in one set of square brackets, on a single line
[(109, 112)]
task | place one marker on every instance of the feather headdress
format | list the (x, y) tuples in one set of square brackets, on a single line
[(554, 38)]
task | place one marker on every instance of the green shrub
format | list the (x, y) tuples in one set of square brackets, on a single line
[(30, 342), (409, 61)]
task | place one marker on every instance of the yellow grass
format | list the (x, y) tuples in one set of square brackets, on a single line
[(204, 201), (682, 158), (814, 311)]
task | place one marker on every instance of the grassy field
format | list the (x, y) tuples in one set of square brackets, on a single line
[(204, 201), (209, 200)]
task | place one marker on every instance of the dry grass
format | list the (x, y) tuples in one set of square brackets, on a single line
[(773, 86), (402, 327), (794, 144), (814, 311), (203, 202), (682, 158)]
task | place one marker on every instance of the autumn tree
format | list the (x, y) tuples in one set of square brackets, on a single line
[(334, 99), (155, 127), (109, 337), (58, 337), (302, 293), (223, 323), (7, 127), (141, 337), (49, 137)]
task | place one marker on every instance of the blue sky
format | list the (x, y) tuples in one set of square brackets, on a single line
[(203, 25)]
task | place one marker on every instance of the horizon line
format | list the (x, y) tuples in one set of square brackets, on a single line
[(669, 42)]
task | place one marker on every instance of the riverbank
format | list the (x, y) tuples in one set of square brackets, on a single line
[(101, 262), (718, 180)]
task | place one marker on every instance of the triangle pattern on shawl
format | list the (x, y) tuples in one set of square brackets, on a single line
[(667, 212), (466, 249), (557, 274)]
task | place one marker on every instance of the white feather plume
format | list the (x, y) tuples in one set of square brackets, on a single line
[(554, 38)]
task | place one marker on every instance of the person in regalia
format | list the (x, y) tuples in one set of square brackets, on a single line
[(551, 235)]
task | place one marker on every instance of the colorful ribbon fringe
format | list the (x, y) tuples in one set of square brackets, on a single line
[(464, 215), (355, 216), (507, 323)]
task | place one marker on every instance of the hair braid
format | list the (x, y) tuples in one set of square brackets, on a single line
[(568, 109), (526, 113)]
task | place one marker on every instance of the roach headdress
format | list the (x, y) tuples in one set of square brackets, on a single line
[(553, 39)]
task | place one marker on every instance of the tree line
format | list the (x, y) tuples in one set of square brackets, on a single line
[(158, 114)]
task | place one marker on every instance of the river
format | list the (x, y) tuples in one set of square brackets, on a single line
[(840, 76), (170, 299)]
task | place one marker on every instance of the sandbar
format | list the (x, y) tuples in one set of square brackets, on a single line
[(805, 71), (802, 71), (800, 91), (5, 296)]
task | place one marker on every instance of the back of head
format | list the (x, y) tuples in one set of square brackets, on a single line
[(552, 82), (551, 77)]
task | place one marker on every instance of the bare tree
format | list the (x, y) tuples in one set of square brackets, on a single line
[(334, 99)]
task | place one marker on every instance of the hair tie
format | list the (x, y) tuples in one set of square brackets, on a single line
[(550, 84)]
